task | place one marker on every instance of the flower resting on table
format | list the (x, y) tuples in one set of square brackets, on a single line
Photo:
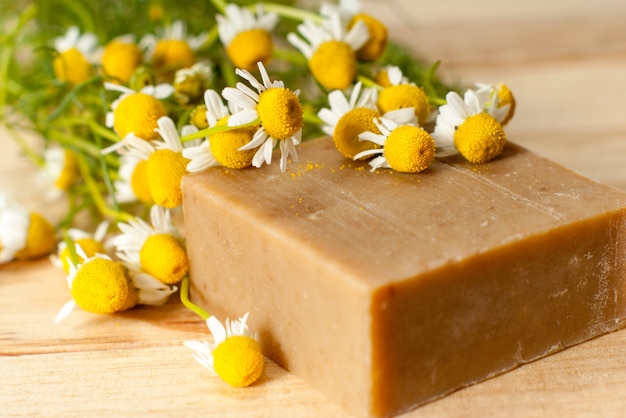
[(235, 354), (331, 50), (278, 110), (101, 285), (153, 249), (405, 148), (246, 37), (91, 244), (23, 235)]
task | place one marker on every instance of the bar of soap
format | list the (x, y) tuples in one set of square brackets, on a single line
[(387, 290)]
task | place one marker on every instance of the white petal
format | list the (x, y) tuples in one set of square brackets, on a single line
[(239, 98), (217, 330), (65, 311), (243, 117)]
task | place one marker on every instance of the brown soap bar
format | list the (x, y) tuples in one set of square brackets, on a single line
[(387, 290)]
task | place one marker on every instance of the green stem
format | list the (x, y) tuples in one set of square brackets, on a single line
[(311, 117), (79, 144), (6, 54), (290, 56), (292, 12), (220, 5), (95, 127), (117, 215), (71, 248), (216, 129), (184, 298), (368, 82), (26, 149)]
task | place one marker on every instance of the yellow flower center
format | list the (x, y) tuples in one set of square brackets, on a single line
[(348, 128), (249, 47), (480, 138), (120, 60), (402, 96), (166, 169), (164, 258), (280, 112), (101, 286), (89, 245), (238, 361), (71, 66), (375, 46), (333, 65), (505, 96), (225, 146), (138, 113), (171, 55), (155, 12), (382, 78), (198, 117), (139, 183), (40, 238), (409, 149), (69, 172)]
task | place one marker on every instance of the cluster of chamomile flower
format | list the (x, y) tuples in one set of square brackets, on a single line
[(172, 110)]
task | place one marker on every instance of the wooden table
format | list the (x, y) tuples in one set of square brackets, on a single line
[(565, 62)]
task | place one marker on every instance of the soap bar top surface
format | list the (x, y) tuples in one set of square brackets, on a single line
[(451, 211)]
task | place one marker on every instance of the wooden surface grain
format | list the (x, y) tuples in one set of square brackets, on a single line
[(565, 62)]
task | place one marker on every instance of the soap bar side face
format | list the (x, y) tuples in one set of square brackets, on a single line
[(310, 319), (467, 321), (386, 290)]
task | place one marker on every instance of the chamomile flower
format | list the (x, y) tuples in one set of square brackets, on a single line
[(246, 37), (498, 101), (390, 75), (331, 50), (90, 243), (153, 249), (348, 117), (137, 112), (350, 12), (405, 148), (120, 58), (173, 48), (60, 171), (98, 284), (404, 94), (190, 83), (132, 182), (221, 148), (76, 55), (23, 235), (278, 110), (235, 354), (476, 134)]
